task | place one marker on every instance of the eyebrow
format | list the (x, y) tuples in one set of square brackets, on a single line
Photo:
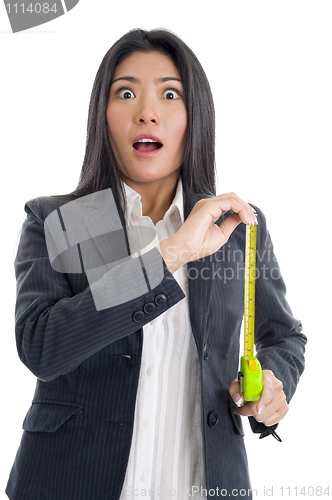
[(132, 79)]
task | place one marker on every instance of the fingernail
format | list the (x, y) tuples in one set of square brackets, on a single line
[(237, 399), (262, 408), (237, 413), (252, 219)]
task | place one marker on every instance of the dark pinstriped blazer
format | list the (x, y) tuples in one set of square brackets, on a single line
[(78, 430)]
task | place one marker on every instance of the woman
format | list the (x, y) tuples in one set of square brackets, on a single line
[(137, 392)]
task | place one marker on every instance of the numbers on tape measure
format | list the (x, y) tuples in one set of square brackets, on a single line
[(249, 289)]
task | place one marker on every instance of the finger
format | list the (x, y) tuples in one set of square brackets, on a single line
[(229, 224), (277, 408), (277, 416), (267, 392), (262, 405), (247, 410), (233, 196), (239, 207), (234, 390), (213, 208), (272, 397), (237, 198)]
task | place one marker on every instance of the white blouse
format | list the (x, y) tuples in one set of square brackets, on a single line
[(167, 451)]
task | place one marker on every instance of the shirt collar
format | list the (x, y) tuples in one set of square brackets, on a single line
[(134, 202)]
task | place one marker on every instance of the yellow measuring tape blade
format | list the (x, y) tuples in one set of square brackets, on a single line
[(249, 290)]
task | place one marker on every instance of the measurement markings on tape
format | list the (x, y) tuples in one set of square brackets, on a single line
[(250, 374), (249, 290)]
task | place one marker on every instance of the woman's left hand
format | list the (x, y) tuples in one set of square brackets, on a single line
[(272, 405)]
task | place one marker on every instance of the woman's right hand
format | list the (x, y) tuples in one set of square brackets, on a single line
[(199, 236)]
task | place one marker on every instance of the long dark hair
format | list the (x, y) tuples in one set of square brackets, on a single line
[(100, 170)]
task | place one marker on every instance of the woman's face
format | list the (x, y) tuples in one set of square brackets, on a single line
[(146, 104)]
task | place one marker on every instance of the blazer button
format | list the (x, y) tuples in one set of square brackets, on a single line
[(160, 299), (206, 350), (149, 308), (213, 418), (138, 316)]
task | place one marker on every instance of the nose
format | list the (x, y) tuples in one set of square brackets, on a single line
[(147, 111)]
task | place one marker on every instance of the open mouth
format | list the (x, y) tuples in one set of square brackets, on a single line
[(147, 145)]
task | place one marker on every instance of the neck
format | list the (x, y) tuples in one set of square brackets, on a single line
[(156, 197)]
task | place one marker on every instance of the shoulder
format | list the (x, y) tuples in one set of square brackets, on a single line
[(42, 206)]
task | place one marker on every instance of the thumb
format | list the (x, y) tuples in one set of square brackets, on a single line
[(229, 224), (234, 390)]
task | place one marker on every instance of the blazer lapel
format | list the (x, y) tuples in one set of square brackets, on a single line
[(200, 282)]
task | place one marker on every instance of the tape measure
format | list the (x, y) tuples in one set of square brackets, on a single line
[(250, 374)]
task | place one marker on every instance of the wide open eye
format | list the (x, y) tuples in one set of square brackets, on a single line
[(126, 93), (171, 94)]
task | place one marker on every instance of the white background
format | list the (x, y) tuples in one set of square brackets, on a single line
[(269, 66)]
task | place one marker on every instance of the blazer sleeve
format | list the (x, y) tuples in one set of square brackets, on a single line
[(56, 330), (280, 343)]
